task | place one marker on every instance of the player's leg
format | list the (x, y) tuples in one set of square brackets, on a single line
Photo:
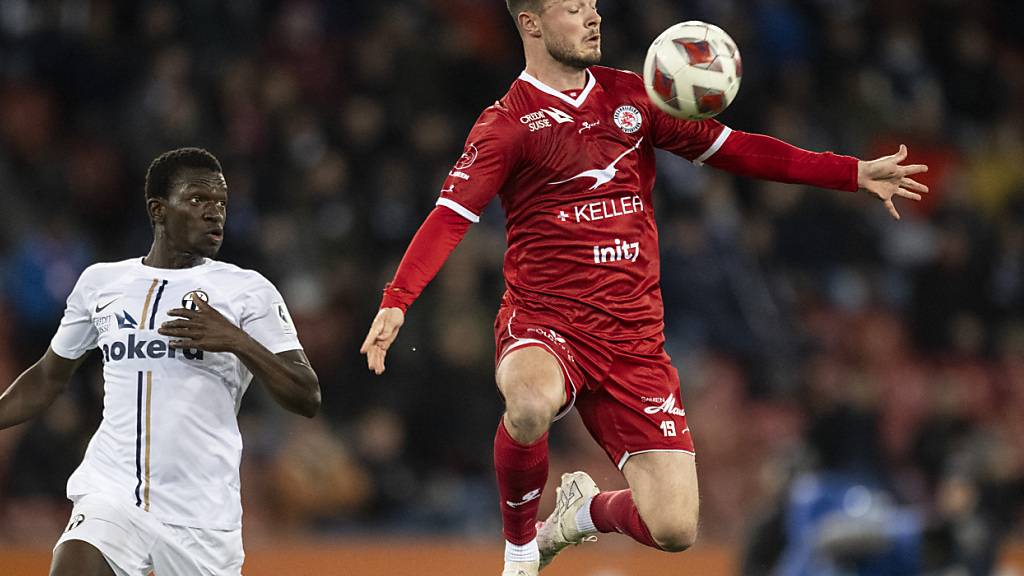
[(532, 383), (637, 416), (660, 509), (662, 502), (103, 538), (78, 558)]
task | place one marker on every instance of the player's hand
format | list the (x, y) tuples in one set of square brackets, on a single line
[(202, 329), (382, 334), (886, 178)]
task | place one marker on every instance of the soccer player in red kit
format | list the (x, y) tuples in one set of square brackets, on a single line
[(570, 152)]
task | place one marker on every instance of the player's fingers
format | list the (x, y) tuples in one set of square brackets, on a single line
[(892, 208), (182, 313), (371, 336), (177, 324), (914, 185), (912, 169), (908, 190), (900, 154), (172, 331), (375, 359), (182, 343), (202, 305), (908, 194)]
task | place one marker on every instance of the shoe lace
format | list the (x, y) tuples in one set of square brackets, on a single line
[(587, 538)]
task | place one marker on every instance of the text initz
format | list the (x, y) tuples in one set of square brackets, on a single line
[(620, 251)]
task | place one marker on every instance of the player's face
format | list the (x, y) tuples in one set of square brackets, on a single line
[(195, 211), (572, 32)]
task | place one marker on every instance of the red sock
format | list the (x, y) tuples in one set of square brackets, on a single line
[(616, 512), (522, 472)]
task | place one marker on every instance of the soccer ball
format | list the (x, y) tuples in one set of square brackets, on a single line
[(693, 70)]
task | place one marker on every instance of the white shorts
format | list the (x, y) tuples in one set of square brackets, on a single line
[(135, 543)]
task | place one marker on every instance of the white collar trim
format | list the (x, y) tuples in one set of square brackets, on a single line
[(576, 103)]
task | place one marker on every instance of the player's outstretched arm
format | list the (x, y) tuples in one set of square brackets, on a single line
[(767, 158), (886, 178), (382, 334), (439, 234), (36, 388), (288, 376)]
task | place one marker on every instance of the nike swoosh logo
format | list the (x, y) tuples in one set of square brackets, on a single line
[(100, 308)]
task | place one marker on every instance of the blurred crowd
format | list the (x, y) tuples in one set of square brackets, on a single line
[(823, 348)]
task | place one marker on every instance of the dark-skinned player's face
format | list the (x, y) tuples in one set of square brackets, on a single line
[(195, 211), (572, 32)]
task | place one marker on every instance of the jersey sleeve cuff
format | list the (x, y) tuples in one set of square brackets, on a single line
[(395, 298), (283, 346), (66, 353), (853, 168), (458, 209), (715, 146)]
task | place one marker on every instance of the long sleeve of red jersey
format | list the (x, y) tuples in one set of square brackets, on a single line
[(767, 158), (439, 234)]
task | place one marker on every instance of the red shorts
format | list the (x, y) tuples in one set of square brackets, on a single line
[(627, 394)]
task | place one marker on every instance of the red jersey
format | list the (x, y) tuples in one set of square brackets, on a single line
[(574, 172)]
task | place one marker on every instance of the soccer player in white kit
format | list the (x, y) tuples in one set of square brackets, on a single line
[(181, 336)]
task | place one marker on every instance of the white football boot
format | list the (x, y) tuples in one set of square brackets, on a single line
[(560, 530), (521, 569)]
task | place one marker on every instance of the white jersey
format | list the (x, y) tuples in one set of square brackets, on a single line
[(169, 440)]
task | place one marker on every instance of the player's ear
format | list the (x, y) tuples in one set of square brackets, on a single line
[(529, 24), (155, 207)]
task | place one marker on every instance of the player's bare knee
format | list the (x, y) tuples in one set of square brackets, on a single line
[(673, 529), (529, 417), (533, 394), (674, 536)]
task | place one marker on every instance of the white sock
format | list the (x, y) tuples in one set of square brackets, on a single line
[(528, 552), (584, 523)]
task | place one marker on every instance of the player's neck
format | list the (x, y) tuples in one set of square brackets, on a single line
[(555, 74), (162, 255)]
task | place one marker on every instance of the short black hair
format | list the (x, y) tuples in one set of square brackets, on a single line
[(166, 166)]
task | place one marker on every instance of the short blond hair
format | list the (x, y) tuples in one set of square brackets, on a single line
[(517, 6)]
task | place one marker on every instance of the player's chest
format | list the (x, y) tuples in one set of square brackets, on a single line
[(142, 304), (569, 150)]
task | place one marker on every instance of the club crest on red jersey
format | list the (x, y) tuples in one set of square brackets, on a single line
[(628, 118)]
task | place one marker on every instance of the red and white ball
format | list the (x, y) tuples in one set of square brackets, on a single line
[(693, 70)]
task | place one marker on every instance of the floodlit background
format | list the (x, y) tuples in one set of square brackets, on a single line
[(855, 386)]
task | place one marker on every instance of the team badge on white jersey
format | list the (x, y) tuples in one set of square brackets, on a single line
[(189, 300), (628, 118)]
